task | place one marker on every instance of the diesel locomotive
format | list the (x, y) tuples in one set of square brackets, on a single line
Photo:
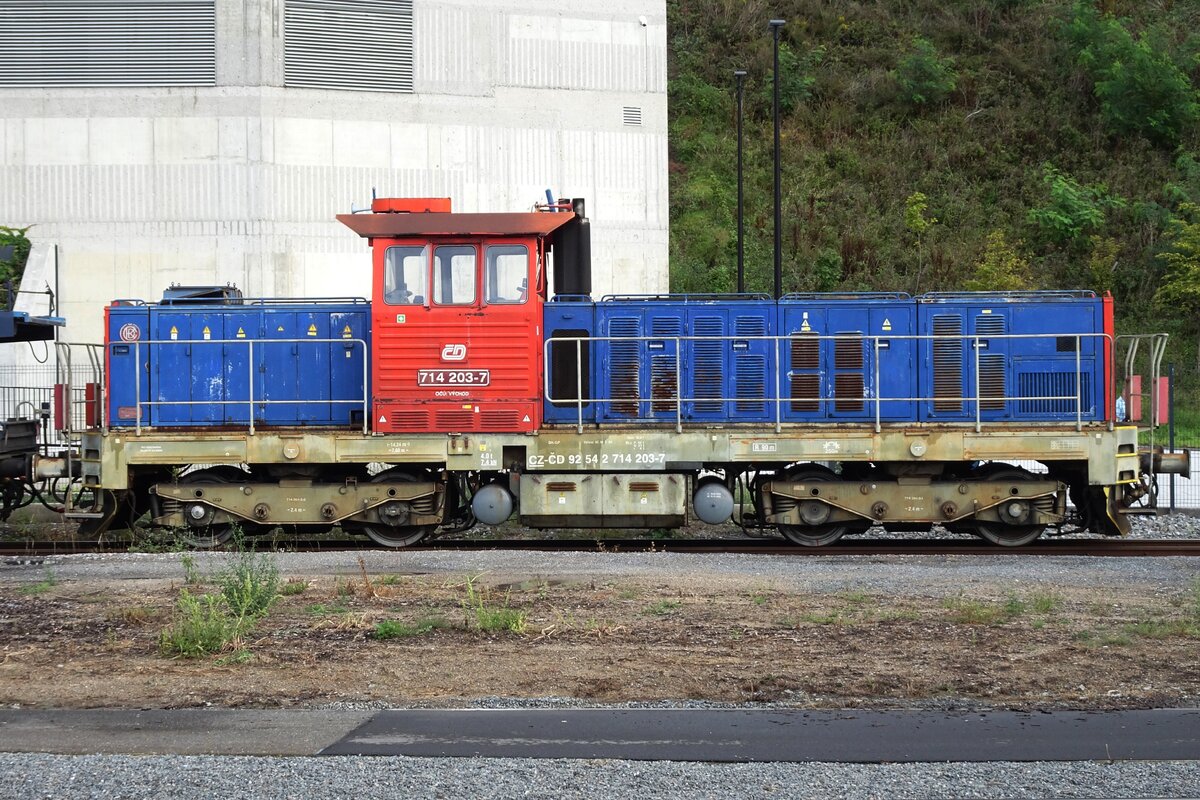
[(482, 380)]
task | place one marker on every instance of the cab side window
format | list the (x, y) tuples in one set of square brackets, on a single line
[(506, 273), (405, 273), (454, 275)]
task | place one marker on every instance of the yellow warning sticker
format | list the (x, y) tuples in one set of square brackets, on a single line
[(347, 333), (804, 326), (174, 332), (206, 332), (241, 334), (887, 324), (279, 329), (312, 330)]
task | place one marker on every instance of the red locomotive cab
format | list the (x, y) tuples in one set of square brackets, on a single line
[(456, 318)]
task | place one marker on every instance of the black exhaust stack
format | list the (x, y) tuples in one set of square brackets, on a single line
[(572, 250)]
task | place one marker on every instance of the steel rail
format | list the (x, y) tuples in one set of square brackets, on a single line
[(16, 551)]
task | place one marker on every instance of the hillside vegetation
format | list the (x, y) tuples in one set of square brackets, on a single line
[(947, 144)]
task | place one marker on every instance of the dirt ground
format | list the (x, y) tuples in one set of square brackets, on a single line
[(731, 641)]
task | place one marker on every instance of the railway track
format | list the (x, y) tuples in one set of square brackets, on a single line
[(11, 551)]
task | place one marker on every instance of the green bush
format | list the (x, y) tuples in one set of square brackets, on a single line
[(924, 77), (202, 626), (11, 269), (1073, 210), (1001, 269), (1140, 87), (249, 584)]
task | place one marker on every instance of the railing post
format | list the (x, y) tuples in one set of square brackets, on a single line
[(778, 392), (1079, 384), (1171, 424), (878, 427), (137, 386), (578, 385), (366, 425), (250, 388), (978, 404), (678, 388)]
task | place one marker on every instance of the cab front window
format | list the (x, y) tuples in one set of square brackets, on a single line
[(454, 275), (405, 273), (506, 273)]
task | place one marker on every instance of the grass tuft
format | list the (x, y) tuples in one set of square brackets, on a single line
[(395, 629), (490, 618), (48, 582)]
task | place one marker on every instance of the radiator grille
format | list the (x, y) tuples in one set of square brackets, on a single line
[(626, 375), (500, 420), (455, 420), (364, 45), (410, 420), (991, 365), (90, 43), (750, 368), (947, 363), (664, 386), (848, 374), (707, 377), (991, 382), (805, 386), (1052, 384)]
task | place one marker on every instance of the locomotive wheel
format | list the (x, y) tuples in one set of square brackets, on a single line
[(207, 536), (813, 535), (400, 535), (997, 532)]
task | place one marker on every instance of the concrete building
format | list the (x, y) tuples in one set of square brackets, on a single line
[(213, 141)]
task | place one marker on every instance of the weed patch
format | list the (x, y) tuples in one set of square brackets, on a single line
[(293, 586), (491, 618), (395, 629), (48, 582), (663, 608), (202, 626)]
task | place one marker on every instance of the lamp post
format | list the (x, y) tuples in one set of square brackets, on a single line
[(740, 74), (774, 26)]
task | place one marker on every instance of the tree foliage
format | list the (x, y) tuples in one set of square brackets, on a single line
[(1073, 210), (1181, 289), (1141, 88), (11, 269), (923, 76), (1002, 268)]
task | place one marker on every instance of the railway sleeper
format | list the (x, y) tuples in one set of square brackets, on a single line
[(817, 503), (392, 504)]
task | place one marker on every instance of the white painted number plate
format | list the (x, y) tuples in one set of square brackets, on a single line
[(453, 377)]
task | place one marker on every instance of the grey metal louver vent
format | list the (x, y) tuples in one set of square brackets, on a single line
[(632, 115), (108, 43), (363, 45)]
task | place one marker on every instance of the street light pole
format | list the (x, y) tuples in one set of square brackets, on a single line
[(740, 74), (774, 26)]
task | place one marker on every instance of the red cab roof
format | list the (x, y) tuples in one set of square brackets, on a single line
[(391, 225)]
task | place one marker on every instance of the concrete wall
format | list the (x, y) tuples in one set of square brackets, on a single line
[(239, 182)]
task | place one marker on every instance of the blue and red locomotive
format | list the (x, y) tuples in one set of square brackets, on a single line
[(482, 378)]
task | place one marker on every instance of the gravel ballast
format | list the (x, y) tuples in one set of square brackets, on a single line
[(48, 776)]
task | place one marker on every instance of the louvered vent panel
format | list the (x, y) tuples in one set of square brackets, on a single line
[(108, 43), (364, 45), (750, 368), (631, 115), (947, 363), (454, 420), (706, 377), (751, 382), (848, 374), (991, 365), (1052, 384), (991, 382), (805, 389), (664, 377), (625, 367), (500, 420), (410, 420)]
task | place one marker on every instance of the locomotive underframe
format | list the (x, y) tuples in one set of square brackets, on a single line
[(926, 463), (1110, 454)]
